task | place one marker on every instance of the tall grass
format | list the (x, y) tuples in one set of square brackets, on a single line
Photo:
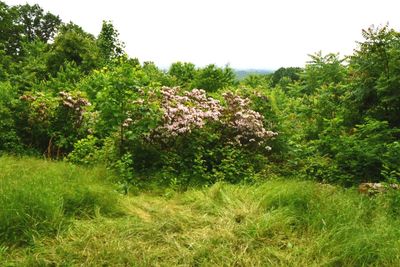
[(39, 198), (277, 223)]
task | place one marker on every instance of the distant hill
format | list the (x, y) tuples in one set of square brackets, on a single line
[(241, 74)]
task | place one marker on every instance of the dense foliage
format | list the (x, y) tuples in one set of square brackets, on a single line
[(67, 94)]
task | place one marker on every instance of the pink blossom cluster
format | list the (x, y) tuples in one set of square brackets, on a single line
[(127, 122), (40, 107), (191, 110), (183, 113), (246, 123), (77, 104)]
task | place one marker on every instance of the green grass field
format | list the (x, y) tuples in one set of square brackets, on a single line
[(55, 214)]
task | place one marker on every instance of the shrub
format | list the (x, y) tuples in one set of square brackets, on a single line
[(52, 124), (359, 155), (85, 151), (9, 140), (198, 139)]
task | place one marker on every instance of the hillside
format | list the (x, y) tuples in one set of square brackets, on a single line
[(243, 73)]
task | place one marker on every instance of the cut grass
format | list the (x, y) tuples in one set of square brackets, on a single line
[(276, 223)]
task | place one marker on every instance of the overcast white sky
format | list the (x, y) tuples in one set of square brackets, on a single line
[(260, 34)]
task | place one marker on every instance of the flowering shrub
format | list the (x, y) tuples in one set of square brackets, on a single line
[(76, 104), (245, 123), (183, 137), (53, 123), (193, 110), (196, 138), (183, 113)]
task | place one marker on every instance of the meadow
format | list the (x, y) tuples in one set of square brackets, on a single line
[(58, 214)]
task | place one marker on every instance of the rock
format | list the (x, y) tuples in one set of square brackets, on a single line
[(374, 188)]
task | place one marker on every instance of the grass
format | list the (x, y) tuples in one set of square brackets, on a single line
[(276, 223), (39, 198)]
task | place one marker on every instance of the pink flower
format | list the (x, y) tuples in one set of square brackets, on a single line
[(193, 110)]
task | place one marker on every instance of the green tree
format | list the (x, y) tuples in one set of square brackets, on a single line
[(285, 76), (323, 70), (32, 68), (183, 72), (25, 23), (36, 24), (5, 63), (212, 78), (375, 74), (155, 76), (108, 42), (256, 80), (9, 32), (116, 91), (73, 44)]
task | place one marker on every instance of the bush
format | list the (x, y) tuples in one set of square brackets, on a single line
[(85, 151), (50, 124), (391, 162), (194, 139), (9, 140), (366, 153)]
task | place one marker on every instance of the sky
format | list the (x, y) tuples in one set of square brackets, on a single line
[(246, 34)]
